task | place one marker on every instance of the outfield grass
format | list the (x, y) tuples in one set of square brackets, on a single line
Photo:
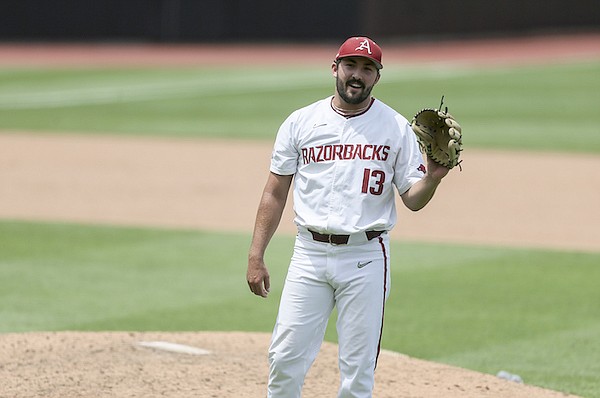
[(540, 108), (530, 312)]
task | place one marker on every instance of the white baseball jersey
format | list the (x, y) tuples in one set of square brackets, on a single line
[(345, 168)]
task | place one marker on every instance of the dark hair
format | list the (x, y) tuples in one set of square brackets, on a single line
[(337, 64)]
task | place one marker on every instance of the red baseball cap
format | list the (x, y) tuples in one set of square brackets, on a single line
[(361, 46)]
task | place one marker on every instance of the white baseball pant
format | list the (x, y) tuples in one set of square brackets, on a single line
[(353, 277)]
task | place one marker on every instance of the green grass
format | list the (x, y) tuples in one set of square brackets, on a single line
[(184, 102), (549, 107), (530, 312), (533, 108), (60, 277)]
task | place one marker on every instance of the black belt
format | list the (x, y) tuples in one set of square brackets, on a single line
[(341, 239)]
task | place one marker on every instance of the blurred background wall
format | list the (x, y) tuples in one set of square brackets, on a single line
[(280, 20)]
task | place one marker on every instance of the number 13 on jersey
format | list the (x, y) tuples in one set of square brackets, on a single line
[(373, 181)]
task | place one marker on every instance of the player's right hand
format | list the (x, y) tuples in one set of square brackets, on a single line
[(258, 278)]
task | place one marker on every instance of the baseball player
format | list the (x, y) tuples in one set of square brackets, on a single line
[(346, 154)]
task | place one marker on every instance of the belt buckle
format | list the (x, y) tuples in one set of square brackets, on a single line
[(329, 240), (337, 240)]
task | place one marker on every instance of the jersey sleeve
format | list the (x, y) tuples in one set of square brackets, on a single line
[(410, 166), (285, 155)]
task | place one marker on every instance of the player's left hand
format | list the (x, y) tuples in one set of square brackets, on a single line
[(436, 170), (439, 135)]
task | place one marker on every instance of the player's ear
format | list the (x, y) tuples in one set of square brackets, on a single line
[(334, 68)]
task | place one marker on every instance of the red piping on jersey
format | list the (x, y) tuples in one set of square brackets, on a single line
[(350, 116), (385, 267)]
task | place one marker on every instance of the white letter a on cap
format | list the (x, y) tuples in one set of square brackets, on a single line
[(364, 45)]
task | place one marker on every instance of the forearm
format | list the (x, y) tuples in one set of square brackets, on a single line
[(267, 220), (269, 214), (420, 193)]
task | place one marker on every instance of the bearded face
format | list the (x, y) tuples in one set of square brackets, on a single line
[(355, 80), (352, 91)]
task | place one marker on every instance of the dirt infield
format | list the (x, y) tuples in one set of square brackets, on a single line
[(61, 365), (159, 182), (98, 180)]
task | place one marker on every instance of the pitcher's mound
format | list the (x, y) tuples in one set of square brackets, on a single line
[(205, 364)]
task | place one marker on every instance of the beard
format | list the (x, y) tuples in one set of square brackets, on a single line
[(349, 98)]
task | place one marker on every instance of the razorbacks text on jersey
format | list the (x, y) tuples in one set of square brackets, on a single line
[(342, 164)]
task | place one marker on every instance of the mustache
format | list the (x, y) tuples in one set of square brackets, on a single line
[(355, 81)]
